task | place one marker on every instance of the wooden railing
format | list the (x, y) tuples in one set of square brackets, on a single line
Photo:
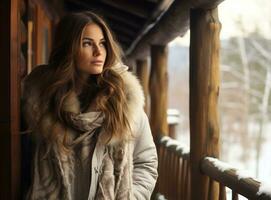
[(238, 182), (174, 175), (173, 168)]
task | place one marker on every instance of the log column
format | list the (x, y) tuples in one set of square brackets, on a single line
[(142, 71), (9, 103), (204, 90), (159, 90)]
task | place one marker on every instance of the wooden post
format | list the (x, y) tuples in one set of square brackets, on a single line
[(204, 90), (159, 90), (9, 102), (173, 117), (142, 71)]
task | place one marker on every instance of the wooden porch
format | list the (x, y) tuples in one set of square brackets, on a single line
[(144, 29)]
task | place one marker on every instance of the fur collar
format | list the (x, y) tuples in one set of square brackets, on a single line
[(34, 82)]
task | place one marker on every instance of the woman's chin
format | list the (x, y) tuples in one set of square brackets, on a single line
[(96, 72)]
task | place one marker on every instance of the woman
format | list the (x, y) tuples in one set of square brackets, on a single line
[(92, 137)]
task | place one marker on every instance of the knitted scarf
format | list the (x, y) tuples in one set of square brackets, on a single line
[(54, 169)]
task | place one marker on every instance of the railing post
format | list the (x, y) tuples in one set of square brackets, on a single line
[(173, 117), (158, 89), (204, 90)]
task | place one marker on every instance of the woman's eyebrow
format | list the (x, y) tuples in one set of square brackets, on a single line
[(90, 39)]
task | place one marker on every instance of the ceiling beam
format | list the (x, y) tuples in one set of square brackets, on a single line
[(108, 13), (205, 4), (126, 39), (137, 8), (122, 21), (162, 6), (173, 23), (123, 30), (123, 38)]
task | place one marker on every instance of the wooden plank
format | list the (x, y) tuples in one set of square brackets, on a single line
[(9, 103), (159, 90), (54, 8), (122, 30), (204, 4), (29, 46), (213, 193), (5, 163), (114, 16), (204, 88), (44, 31), (222, 192), (15, 64), (138, 9)]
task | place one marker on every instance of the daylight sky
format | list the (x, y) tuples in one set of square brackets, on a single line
[(251, 13)]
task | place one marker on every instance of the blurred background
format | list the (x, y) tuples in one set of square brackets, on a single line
[(244, 100)]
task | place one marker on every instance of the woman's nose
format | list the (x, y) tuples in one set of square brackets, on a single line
[(97, 50)]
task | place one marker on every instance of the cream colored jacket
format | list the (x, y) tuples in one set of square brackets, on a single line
[(136, 181)]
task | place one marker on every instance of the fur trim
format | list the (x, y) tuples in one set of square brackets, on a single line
[(135, 96), (34, 84)]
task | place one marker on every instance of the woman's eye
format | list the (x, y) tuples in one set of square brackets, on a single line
[(86, 44), (102, 44)]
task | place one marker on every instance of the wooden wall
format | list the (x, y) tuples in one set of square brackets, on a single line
[(9, 102), (25, 40), (40, 31), (43, 27)]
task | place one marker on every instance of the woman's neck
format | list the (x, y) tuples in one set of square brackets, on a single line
[(87, 92), (80, 83)]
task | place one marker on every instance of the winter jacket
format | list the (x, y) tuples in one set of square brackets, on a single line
[(131, 165)]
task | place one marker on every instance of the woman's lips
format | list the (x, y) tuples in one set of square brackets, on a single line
[(97, 62)]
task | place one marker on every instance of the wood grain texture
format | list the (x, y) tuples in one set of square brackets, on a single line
[(204, 90), (142, 71), (247, 187), (15, 64), (159, 90), (9, 103)]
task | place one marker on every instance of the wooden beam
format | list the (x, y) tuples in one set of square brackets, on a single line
[(246, 186), (5, 146), (9, 103), (15, 64), (137, 9), (142, 71), (159, 90), (174, 22), (108, 13), (122, 30), (162, 6), (122, 38), (205, 4), (204, 89), (114, 18)]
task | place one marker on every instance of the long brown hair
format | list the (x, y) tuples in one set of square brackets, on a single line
[(109, 95)]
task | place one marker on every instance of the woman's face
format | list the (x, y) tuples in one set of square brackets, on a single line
[(92, 53)]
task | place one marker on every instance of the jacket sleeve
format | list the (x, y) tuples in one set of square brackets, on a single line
[(144, 161)]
